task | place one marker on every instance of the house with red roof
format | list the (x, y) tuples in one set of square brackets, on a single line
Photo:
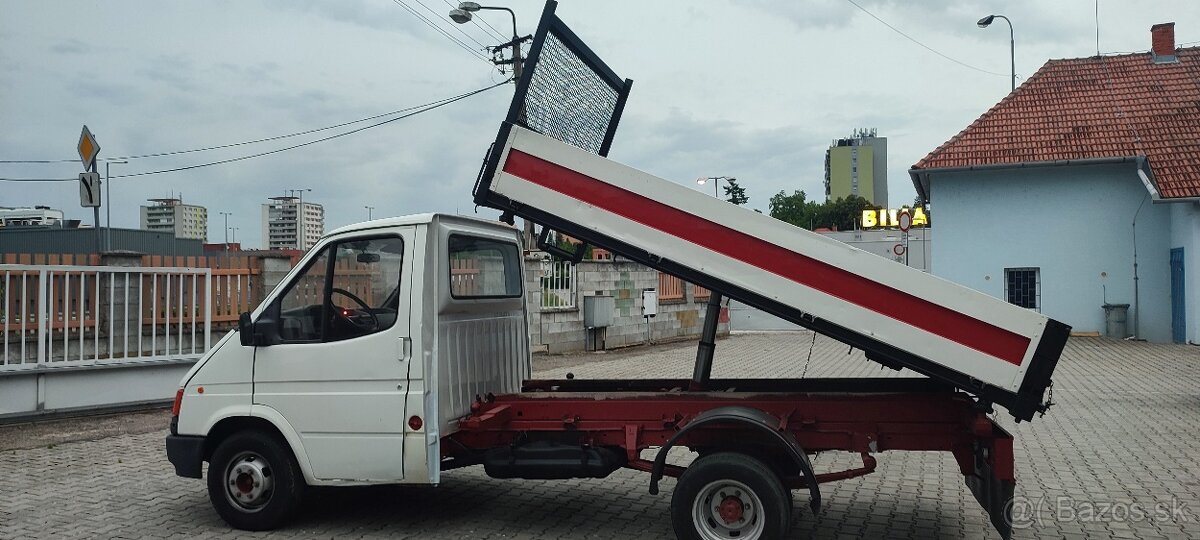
[(1078, 194)]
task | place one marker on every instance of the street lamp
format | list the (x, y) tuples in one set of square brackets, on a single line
[(1012, 44), (234, 229), (108, 205), (463, 15), (299, 217), (369, 208), (716, 182)]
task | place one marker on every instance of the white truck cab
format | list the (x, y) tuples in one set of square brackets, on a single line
[(353, 367)]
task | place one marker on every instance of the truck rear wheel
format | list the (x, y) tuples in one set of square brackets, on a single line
[(730, 495), (254, 482)]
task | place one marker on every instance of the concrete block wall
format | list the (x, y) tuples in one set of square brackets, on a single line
[(558, 330)]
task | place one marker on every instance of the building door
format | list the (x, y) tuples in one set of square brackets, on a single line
[(1178, 328)]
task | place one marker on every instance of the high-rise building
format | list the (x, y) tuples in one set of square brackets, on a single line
[(857, 165), (290, 223), (171, 215), (38, 216)]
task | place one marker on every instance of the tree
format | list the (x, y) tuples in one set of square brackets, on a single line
[(794, 208), (734, 193), (843, 213)]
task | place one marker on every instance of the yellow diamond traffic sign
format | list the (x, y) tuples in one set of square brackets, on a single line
[(88, 148)]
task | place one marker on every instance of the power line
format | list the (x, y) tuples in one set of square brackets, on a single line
[(423, 108), (926, 47), (439, 29), (231, 145), (439, 17), (475, 22)]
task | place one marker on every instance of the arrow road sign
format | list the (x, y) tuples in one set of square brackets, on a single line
[(89, 189)]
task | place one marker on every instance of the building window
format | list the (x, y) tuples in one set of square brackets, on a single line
[(1022, 287)]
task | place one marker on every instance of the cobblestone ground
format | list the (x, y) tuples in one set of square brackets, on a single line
[(1116, 458)]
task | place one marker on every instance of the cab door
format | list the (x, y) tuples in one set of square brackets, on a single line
[(336, 365)]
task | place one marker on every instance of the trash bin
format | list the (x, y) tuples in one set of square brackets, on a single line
[(1115, 316)]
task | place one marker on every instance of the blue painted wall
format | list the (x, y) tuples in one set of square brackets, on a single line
[(1072, 222), (1185, 233)]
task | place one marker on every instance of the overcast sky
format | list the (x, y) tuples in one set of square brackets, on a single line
[(753, 89)]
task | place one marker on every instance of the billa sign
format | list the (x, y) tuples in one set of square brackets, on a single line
[(890, 217)]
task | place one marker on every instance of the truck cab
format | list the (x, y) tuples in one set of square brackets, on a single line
[(355, 365)]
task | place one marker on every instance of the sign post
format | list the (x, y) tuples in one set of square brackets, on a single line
[(905, 221), (89, 180)]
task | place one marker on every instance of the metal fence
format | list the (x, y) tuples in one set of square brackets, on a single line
[(88, 315), (558, 285)]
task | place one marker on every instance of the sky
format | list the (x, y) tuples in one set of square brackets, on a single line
[(752, 89)]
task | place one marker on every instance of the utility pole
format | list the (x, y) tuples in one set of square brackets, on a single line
[(108, 207)]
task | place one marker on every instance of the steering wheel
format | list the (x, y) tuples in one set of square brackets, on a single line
[(368, 326)]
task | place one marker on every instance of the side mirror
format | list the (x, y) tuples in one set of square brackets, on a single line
[(245, 329), (262, 333)]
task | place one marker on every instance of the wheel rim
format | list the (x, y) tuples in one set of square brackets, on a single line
[(249, 482), (727, 509)]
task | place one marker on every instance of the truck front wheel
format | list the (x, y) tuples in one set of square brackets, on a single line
[(729, 495), (254, 482)]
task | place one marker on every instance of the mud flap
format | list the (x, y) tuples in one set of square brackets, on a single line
[(992, 481)]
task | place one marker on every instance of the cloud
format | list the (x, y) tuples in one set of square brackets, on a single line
[(70, 46)]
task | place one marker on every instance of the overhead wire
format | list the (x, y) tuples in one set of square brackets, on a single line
[(475, 22), (926, 47), (413, 112), (456, 26), (439, 29), (230, 145)]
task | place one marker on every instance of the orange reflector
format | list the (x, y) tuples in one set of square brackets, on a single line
[(178, 402), (415, 422), (199, 389)]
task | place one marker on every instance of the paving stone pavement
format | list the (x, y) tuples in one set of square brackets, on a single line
[(1115, 458)]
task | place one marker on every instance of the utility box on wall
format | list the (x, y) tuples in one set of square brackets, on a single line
[(598, 311), (597, 317)]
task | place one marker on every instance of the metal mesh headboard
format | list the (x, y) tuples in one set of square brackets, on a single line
[(566, 91)]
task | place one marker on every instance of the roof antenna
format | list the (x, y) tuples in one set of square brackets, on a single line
[(1097, 27)]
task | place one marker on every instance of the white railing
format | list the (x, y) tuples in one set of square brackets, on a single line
[(62, 316), (558, 284)]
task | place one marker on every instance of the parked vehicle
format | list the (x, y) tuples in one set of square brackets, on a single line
[(399, 349)]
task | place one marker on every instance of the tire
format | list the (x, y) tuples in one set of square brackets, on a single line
[(730, 495), (254, 482)]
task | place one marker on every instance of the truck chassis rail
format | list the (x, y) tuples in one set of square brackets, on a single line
[(863, 416)]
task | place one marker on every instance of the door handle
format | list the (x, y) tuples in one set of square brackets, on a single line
[(405, 349)]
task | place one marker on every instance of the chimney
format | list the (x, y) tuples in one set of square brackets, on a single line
[(1162, 43)]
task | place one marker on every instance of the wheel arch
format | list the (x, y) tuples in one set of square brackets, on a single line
[(264, 420), (747, 416)]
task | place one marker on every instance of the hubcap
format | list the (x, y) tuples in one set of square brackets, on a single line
[(727, 509), (249, 482)]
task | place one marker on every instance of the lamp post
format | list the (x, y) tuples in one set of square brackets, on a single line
[(234, 229), (299, 217), (1012, 44), (369, 209), (463, 15), (108, 205), (716, 182)]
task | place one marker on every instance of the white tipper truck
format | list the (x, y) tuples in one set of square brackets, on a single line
[(398, 349)]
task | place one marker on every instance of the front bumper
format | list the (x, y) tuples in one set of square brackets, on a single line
[(186, 453)]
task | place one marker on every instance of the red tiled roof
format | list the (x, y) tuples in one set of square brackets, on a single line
[(1079, 108)]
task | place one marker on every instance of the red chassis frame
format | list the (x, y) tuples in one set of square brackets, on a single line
[(865, 416)]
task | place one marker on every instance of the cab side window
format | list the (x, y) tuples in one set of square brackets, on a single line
[(484, 268), (351, 289)]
